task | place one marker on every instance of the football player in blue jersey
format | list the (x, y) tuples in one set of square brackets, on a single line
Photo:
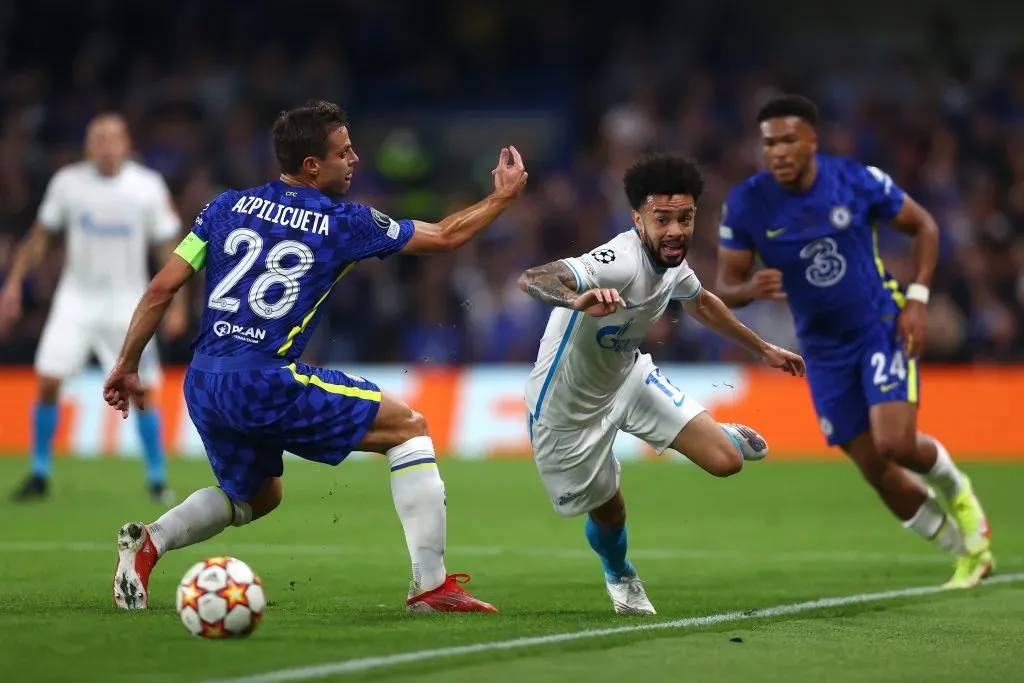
[(811, 218), (272, 255)]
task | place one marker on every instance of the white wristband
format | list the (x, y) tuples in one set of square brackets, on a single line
[(917, 292)]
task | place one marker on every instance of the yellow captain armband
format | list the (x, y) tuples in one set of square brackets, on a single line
[(193, 250)]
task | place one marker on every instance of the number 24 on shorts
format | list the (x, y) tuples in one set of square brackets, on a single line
[(888, 373)]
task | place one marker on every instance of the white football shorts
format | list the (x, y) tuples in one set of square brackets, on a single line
[(577, 465), (74, 328)]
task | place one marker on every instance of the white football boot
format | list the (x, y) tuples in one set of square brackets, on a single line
[(628, 596), (752, 445)]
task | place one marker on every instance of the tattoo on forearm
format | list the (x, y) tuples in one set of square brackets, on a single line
[(553, 283)]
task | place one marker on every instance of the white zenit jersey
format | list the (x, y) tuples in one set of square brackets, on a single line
[(110, 222), (583, 360)]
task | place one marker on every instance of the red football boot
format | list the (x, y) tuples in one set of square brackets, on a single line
[(448, 597), (136, 557)]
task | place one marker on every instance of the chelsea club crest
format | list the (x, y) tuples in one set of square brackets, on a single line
[(840, 217)]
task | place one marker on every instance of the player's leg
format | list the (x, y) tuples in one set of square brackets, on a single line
[(337, 413), (146, 421), (63, 351), (708, 445), (655, 410), (842, 406), (44, 426), (605, 528), (956, 488), (906, 497), (894, 431), (607, 534), (248, 472), (891, 386), (417, 490), (582, 477), (201, 516)]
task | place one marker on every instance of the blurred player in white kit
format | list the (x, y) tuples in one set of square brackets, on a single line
[(111, 210), (591, 380)]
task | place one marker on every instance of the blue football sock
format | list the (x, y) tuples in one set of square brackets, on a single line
[(611, 548), (149, 433), (44, 426)]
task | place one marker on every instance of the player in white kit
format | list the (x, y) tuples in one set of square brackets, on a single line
[(591, 380), (111, 210)]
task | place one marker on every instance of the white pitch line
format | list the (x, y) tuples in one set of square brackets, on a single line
[(306, 673), (649, 554)]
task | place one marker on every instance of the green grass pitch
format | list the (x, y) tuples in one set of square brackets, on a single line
[(334, 565)]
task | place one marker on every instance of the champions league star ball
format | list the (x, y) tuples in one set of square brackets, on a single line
[(220, 597)]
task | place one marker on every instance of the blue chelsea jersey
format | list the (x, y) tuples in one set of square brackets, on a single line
[(824, 241), (272, 254)]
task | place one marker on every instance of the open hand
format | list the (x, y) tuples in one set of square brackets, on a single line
[(509, 179)]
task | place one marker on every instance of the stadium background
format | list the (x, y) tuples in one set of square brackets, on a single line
[(932, 92)]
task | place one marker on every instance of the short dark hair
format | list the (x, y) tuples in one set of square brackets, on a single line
[(789, 105), (662, 174), (303, 132)]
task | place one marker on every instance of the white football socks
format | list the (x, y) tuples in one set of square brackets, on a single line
[(418, 492), (931, 523), (203, 515), (944, 475)]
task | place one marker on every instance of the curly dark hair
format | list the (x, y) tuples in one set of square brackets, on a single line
[(662, 174), (789, 105), (303, 132)]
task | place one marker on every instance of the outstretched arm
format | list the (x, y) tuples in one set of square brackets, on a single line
[(462, 226), (712, 313)]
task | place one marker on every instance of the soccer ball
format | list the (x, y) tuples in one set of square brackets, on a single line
[(220, 597)]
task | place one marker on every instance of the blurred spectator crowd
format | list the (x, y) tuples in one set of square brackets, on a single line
[(201, 83)]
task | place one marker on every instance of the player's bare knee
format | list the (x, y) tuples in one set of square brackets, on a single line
[(417, 425), (410, 426), (726, 462), (897, 447)]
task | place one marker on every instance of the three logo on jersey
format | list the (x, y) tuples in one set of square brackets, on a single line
[(251, 335)]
